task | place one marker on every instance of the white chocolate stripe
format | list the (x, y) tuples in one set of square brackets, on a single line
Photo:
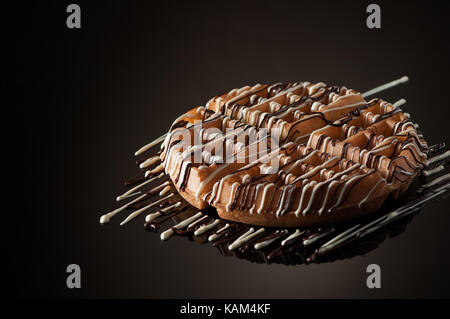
[(169, 232), (139, 211), (145, 148), (245, 238)]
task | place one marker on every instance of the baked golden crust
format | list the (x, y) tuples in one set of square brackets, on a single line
[(337, 156)]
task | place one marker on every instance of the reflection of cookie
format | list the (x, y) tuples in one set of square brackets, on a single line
[(338, 156)]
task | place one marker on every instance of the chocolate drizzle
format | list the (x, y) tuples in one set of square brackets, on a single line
[(316, 245)]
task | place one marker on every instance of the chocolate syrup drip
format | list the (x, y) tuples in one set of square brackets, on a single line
[(276, 89), (179, 124), (387, 115), (141, 203), (253, 97), (134, 181), (259, 239), (190, 230), (155, 225), (281, 249), (436, 149), (341, 122), (231, 234)]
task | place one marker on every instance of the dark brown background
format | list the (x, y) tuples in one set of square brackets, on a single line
[(82, 101)]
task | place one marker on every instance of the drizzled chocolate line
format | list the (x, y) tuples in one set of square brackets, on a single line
[(386, 86), (150, 145), (436, 149), (338, 123), (155, 225)]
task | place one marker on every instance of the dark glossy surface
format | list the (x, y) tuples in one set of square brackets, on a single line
[(85, 100)]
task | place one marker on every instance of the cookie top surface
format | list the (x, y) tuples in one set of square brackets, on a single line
[(296, 154)]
